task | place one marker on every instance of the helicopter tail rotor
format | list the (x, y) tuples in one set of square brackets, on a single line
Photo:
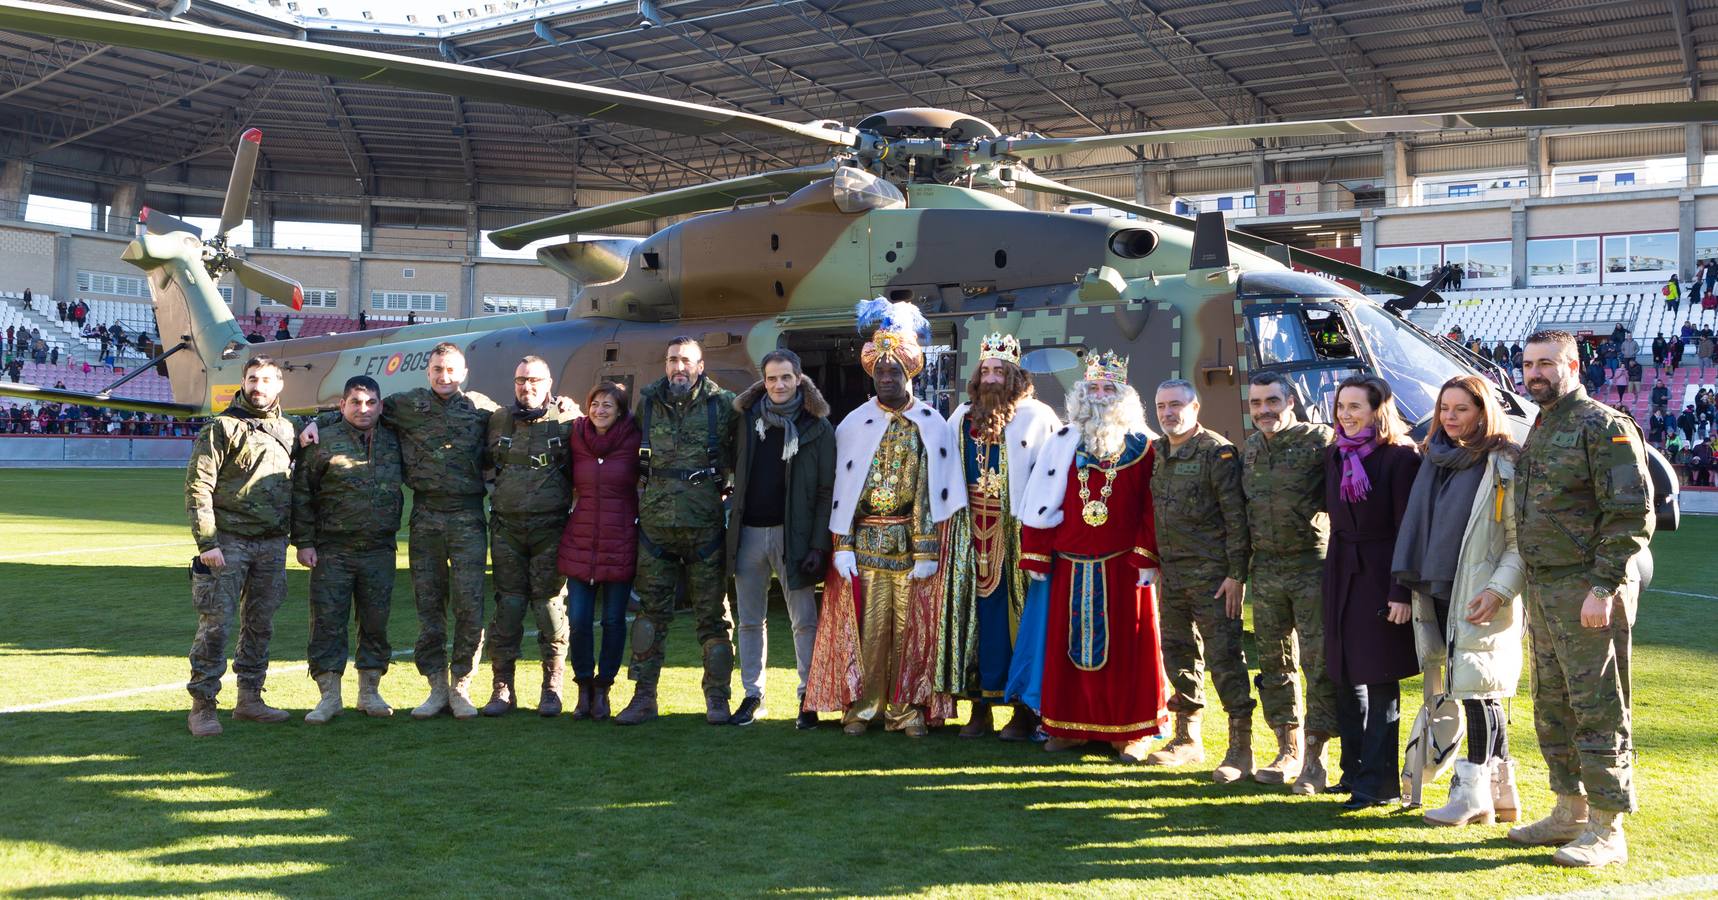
[(238, 198)]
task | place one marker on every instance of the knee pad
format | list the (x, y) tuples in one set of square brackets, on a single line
[(719, 655), (643, 636)]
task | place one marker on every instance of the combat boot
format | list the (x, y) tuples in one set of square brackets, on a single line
[(1286, 767), (1565, 823), (1600, 844), (1238, 760), (554, 680), (642, 707), (587, 698), (202, 720), (370, 700), (331, 704), (599, 700), (436, 703), (251, 708), (1312, 778), (1470, 798), (980, 723), (1022, 726), (459, 697), (1133, 751), (1185, 748), (502, 698), (1504, 798)]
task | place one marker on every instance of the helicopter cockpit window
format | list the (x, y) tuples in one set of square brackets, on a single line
[(857, 191), (1415, 368), (1330, 338), (1280, 337)]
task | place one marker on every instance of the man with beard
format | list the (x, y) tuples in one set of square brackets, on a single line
[(526, 449), (238, 491), (688, 424), (998, 433), (1202, 532), (895, 483), (1584, 511), (1088, 519), (1283, 477)]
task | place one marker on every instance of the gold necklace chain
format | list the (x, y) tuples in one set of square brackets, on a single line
[(1097, 512)]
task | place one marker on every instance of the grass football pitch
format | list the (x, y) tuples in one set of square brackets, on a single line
[(102, 791)]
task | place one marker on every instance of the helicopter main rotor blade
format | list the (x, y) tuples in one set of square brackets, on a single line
[(158, 222), (269, 284), (1029, 147), (698, 198), (1282, 253), (238, 199), (199, 42)]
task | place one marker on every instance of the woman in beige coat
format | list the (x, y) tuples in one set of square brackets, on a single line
[(1456, 551)]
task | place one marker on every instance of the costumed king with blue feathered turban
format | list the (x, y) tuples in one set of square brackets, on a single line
[(896, 482)]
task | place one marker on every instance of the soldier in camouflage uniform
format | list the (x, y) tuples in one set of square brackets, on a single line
[(1202, 540), (1584, 512), (346, 502), (1283, 477), (238, 492), (441, 430), (688, 423), (526, 448)]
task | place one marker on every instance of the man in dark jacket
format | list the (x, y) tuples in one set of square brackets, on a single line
[(1660, 394), (784, 477), (1686, 422)]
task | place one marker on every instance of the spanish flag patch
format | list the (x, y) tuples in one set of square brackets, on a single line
[(1225, 454), (1620, 439)]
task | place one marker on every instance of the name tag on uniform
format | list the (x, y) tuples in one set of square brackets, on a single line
[(1564, 439), (1187, 468)]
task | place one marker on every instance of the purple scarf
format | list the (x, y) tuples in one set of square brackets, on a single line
[(1355, 484)]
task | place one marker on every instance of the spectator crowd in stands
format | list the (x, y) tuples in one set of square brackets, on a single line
[(18, 418)]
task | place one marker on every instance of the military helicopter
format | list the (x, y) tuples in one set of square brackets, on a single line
[(907, 207)]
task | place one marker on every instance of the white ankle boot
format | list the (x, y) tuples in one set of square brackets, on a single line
[(1470, 797)]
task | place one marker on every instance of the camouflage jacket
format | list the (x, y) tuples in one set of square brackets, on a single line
[(239, 480), (688, 438), (1283, 478), (1583, 498), (529, 459), (1196, 497), (346, 489), (441, 441)]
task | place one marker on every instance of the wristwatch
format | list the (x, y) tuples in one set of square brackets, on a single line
[(1604, 593)]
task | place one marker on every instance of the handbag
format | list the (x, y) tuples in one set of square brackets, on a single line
[(1435, 735)]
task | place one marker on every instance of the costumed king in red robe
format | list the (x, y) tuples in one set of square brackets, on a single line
[(1087, 526)]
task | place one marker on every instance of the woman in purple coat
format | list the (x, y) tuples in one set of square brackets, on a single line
[(1368, 641)]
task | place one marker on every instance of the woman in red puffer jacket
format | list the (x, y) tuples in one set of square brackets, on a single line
[(599, 547)]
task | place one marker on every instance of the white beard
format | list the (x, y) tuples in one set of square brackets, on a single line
[(1104, 425)]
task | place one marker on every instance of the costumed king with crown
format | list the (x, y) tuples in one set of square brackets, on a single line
[(1088, 528), (998, 434), (896, 482)]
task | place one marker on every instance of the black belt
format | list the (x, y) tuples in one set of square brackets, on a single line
[(696, 476)]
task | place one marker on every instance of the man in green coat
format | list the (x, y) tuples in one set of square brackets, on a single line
[(688, 423), (238, 492)]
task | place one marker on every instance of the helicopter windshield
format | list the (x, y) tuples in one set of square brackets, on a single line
[(1404, 357), (857, 191)]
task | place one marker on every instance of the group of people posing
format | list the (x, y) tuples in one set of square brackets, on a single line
[(1077, 577)]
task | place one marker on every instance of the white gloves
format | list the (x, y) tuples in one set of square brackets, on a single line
[(1036, 576), (1147, 577), (846, 564), (924, 568)]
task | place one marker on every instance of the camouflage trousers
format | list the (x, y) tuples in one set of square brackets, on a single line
[(1287, 596), (345, 581), (522, 552), (248, 589), (447, 550), (1581, 693), (1192, 621), (663, 554)]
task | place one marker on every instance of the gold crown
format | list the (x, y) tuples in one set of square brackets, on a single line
[(1001, 346), (1107, 367)]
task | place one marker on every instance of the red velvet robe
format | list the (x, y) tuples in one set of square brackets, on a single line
[(1103, 671)]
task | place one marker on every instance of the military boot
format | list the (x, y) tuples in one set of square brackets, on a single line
[(1600, 844), (331, 704), (1134, 751), (642, 707), (502, 698), (1470, 797), (980, 723), (1022, 726), (599, 700), (587, 697), (459, 697), (370, 700), (554, 680), (436, 703), (1565, 823), (1504, 798), (1286, 767), (1185, 748), (1238, 761), (251, 708), (718, 675), (202, 720), (1312, 778)]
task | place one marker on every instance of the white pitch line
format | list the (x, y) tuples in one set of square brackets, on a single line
[(1666, 887), (1681, 593), (93, 551)]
